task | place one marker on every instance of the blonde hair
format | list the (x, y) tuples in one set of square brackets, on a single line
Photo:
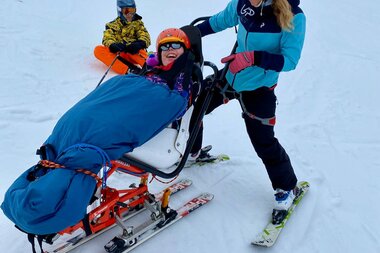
[(283, 12)]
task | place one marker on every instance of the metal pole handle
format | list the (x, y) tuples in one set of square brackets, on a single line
[(114, 60)]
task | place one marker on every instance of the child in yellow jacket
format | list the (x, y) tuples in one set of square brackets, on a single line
[(126, 35)]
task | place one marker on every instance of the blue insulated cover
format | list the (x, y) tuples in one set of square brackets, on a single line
[(123, 113)]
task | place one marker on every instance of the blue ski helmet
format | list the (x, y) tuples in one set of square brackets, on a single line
[(122, 4)]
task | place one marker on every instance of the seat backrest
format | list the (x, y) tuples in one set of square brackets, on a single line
[(166, 148), (195, 38)]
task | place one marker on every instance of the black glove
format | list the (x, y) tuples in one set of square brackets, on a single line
[(117, 47), (135, 47)]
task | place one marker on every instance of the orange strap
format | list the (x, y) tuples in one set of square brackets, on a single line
[(89, 173), (53, 165), (50, 164)]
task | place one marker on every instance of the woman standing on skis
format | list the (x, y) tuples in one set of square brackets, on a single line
[(270, 40)]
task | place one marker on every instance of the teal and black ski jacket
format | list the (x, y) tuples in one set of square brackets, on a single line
[(276, 50)]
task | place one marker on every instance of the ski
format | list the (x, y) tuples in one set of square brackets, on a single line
[(174, 188), (270, 234), (212, 160), (69, 242), (133, 237), (205, 158)]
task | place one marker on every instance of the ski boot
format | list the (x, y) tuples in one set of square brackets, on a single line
[(283, 201), (201, 157)]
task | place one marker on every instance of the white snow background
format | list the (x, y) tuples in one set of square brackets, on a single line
[(327, 119)]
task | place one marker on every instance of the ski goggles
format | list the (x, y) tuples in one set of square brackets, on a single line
[(128, 10), (174, 45)]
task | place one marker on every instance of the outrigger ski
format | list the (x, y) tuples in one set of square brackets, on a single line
[(79, 237), (269, 235), (161, 218)]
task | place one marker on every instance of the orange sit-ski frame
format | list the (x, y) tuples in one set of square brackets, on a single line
[(114, 202)]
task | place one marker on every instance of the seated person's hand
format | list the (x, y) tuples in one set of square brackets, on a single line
[(135, 47), (117, 47)]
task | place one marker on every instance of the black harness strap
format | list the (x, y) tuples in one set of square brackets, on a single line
[(86, 225), (238, 95), (39, 240), (265, 121), (31, 240)]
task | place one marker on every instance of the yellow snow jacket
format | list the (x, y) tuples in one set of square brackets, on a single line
[(125, 32)]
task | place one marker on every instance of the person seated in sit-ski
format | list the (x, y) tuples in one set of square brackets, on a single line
[(120, 115), (127, 36), (173, 66), (142, 104), (171, 61)]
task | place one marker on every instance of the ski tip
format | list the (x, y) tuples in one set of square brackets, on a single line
[(303, 184), (206, 195), (223, 157), (214, 160), (263, 242), (185, 181)]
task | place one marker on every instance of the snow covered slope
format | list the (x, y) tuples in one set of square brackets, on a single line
[(328, 120)]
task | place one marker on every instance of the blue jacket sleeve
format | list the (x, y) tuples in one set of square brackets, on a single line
[(291, 47), (220, 21), (205, 28)]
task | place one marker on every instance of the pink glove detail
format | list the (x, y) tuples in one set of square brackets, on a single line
[(239, 61)]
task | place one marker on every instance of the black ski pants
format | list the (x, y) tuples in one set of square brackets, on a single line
[(262, 103)]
